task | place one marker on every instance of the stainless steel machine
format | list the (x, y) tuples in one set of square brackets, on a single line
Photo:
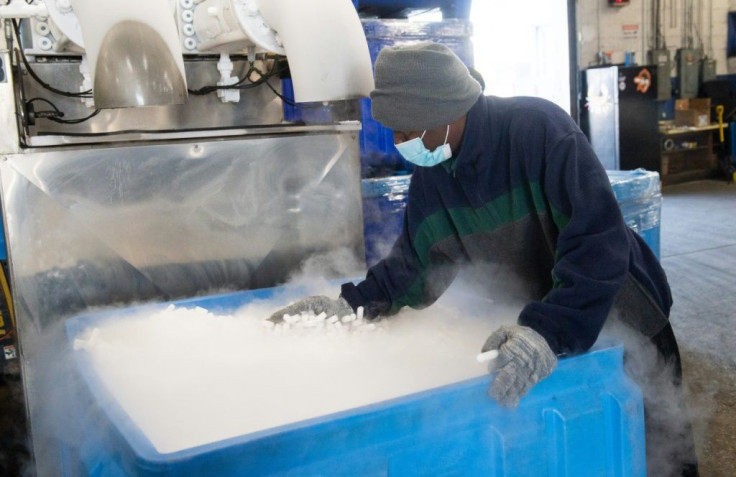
[(144, 157)]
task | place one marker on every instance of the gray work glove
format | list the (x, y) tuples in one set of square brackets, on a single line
[(317, 305), (524, 359)]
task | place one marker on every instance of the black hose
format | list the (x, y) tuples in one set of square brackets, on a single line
[(83, 94)]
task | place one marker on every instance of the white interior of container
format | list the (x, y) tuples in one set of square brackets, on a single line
[(187, 377)]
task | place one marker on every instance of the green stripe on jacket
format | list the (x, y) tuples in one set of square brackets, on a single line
[(462, 221)]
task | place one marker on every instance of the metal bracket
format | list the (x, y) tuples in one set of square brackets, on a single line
[(21, 9)]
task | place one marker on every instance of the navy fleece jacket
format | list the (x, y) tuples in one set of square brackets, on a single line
[(527, 200)]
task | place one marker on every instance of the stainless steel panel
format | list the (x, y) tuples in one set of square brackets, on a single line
[(601, 114), (109, 226), (661, 58), (258, 106), (191, 135), (166, 221), (688, 72), (8, 119)]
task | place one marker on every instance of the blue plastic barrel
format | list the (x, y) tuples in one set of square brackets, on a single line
[(3, 247), (384, 201), (639, 195)]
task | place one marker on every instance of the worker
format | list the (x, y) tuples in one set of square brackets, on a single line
[(512, 187)]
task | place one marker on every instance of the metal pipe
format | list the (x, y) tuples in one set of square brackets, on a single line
[(322, 69), (598, 25), (710, 30), (644, 33), (574, 60), (8, 28)]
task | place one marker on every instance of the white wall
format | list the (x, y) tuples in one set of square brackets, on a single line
[(521, 48), (630, 28)]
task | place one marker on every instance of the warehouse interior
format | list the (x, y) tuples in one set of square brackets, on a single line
[(234, 164)]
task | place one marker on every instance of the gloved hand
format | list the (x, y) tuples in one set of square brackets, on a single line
[(524, 359), (315, 304)]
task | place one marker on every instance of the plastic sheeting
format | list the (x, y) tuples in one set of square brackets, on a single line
[(638, 193)]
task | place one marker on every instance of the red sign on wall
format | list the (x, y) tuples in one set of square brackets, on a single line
[(630, 31)]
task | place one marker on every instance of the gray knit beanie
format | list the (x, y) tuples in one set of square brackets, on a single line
[(421, 86)]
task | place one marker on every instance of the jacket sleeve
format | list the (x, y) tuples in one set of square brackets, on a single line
[(414, 274), (592, 251)]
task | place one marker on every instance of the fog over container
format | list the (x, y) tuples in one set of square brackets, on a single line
[(404, 397)]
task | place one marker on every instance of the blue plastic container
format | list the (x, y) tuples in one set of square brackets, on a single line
[(585, 419), (377, 151), (384, 201), (639, 195), (3, 247)]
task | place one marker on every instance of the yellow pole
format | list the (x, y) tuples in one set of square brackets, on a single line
[(8, 297)]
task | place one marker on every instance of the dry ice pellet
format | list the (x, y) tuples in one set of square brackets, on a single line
[(188, 377)]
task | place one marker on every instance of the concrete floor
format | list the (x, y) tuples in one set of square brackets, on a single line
[(698, 242), (698, 237)]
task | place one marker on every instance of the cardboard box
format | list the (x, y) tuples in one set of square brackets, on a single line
[(692, 112)]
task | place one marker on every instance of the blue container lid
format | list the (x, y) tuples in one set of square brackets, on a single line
[(634, 185)]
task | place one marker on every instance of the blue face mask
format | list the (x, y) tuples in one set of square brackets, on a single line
[(415, 152)]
